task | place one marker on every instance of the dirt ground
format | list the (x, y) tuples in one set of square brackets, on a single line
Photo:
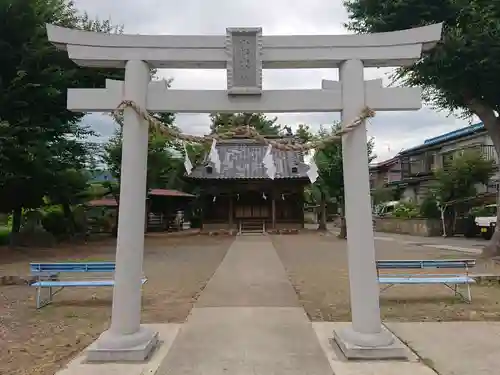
[(178, 268), (39, 342), (317, 268)]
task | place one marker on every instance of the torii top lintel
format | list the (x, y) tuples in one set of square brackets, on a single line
[(396, 48)]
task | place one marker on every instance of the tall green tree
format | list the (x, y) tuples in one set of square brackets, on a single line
[(221, 122), (459, 181), (330, 183), (459, 74), (304, 133), (36, 128), (164, 159), (165, 155)]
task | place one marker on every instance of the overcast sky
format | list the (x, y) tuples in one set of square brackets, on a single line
[(392, 131)]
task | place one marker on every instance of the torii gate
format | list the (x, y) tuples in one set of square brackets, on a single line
[(244, 52)]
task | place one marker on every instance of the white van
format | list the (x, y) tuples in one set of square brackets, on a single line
[(487, 221), (385, 208)]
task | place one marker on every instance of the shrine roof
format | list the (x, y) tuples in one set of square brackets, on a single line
[(241, 159)]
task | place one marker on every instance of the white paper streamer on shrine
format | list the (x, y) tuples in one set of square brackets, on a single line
[(268, 162), (187, 163), (214, 156), (312, 173)]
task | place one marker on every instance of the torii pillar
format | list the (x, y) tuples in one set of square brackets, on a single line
[(365, 338)]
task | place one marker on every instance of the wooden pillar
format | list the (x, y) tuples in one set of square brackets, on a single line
[(273, 209), (202, 211), (231, 211), (146, 214)]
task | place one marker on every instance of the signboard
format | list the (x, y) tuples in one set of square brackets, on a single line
[(244, 64)]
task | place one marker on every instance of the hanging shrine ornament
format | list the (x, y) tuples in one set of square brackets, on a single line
[(213, 156), (268, 162), (312, 173), (187, 162)]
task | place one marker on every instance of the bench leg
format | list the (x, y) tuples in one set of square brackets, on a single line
[(44, 302), (38, 297), (458, 293), (385, 288)]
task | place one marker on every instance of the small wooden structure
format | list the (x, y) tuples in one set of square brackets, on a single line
[(161, 206), (242, 196)]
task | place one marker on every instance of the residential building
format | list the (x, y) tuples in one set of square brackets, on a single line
[(417, 164), (385, 173)]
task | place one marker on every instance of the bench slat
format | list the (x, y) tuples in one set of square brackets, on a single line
[(426, 280), (419, 264), (73, 267), (81, 283)]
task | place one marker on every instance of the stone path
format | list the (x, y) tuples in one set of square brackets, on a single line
[(247, 321)]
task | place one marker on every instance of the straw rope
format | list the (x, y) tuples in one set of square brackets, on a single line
[(245, 130)]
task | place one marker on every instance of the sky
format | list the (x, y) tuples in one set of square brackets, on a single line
[(392, 131)]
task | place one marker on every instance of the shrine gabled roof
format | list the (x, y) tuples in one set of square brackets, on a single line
[(241, 159)]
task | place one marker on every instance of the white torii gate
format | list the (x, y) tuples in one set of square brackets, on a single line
[(244, 52)]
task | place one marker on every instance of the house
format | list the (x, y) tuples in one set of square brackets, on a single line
[(242, 197), (418, 163), (385, 173)]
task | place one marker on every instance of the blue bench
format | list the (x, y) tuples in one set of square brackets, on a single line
[(449, 280), (47, 276)]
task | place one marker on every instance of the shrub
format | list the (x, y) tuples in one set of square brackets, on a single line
[(56, 223), (429, 208), (407, 210)]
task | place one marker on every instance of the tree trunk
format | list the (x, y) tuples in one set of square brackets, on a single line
[(492, 124), (449, 215), (322, 220), (17, 215), (116, 196), (68, 214), (343, 222)]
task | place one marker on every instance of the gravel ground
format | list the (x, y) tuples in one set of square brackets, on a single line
[(317, 267), (40, 342)]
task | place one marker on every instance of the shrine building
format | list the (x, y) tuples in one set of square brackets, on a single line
[(242, 197)]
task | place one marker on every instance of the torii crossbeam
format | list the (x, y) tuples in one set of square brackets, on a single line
[(328, 99)]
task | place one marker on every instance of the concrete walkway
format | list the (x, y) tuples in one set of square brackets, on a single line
[(247, 321)]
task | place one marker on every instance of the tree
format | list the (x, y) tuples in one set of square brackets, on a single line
[(458, 74), (165, 156), (330, 183), (222, 122), (35, 124), (459, 181), (386, 194), (304, 133), (163, 159)]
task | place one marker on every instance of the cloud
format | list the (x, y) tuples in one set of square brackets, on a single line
[(392, 131)]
